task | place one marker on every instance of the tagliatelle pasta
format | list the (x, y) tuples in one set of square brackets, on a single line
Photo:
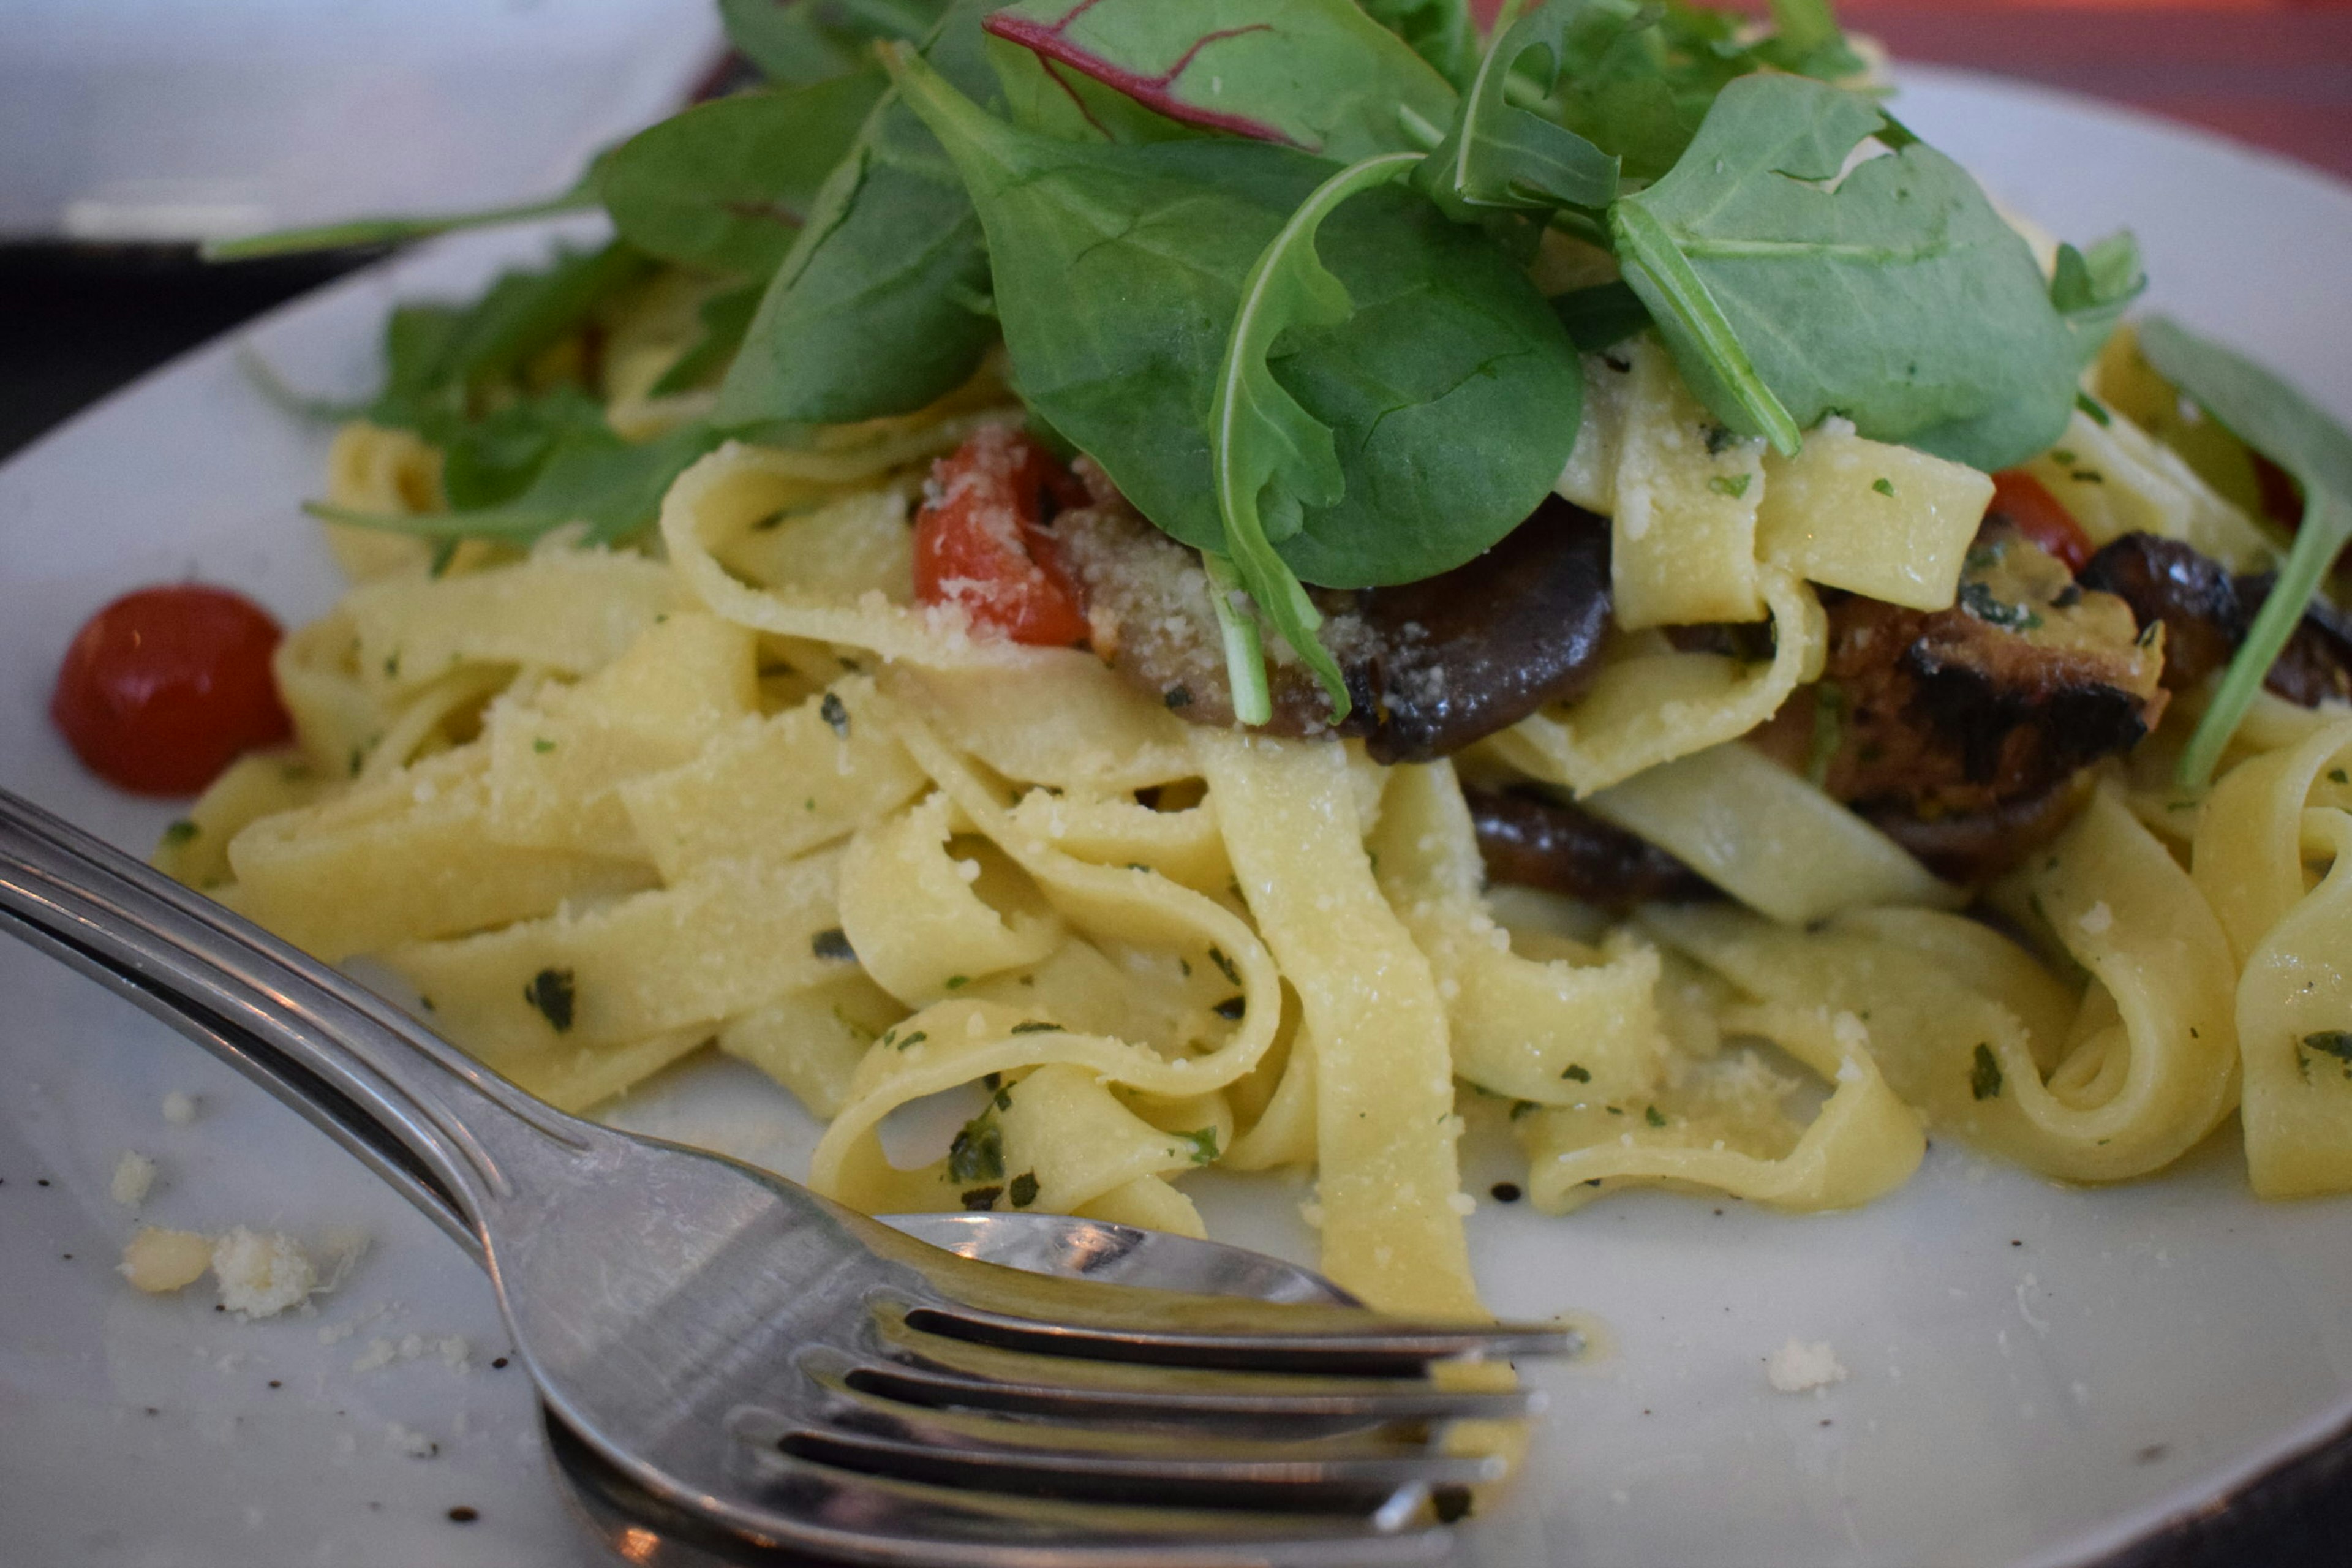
[(739, 786)]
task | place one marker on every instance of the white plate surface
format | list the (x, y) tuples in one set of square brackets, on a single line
[(2037, 1373)]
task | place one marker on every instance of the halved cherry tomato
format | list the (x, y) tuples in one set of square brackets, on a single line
[(2028, 506), (161, 689), (981, 541)]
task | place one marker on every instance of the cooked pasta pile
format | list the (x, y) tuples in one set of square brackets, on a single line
[(603, 808)]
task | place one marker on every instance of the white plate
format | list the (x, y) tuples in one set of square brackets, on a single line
[(182, 120), (2037, 1373)]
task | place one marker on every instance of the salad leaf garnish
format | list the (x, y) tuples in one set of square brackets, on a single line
[(1245, 76), (1895, 295), (2091, 288), (1601, 317), (1271, 457), (1442, 32), (726, 184), (871, 313), (373, 231), (2291, 431), (1498, 155), (590, 477), (802, 42), (724, 317), (1451, 391)]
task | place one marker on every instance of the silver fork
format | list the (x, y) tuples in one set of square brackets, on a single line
[(797, 1373)]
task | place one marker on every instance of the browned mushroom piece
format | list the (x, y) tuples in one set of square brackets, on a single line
[(1527, 837), (1430, 666), (2207, 613)]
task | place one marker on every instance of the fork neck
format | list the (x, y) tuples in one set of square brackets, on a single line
[(449, 1134)]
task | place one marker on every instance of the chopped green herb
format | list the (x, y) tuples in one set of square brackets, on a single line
[(1231, 1008), (1036, 1026), (550, 992), (2093, 407), (2337, 1043), (1612, 1110), (1984, 1077), (2061, 457), (834, 943), (911, 1041), (392, 665), (1883, 486), (1980, 602), (1177, 697), (1654, 1117), (1224, 966), (1023, 1190), (542, 745), (1521, 1106), (1732, 485), (958, 982), (2337, 775), (1203, 1142), (980, 1200), (179, 832), (976, 1153), (834, 714), (1576, 1073)]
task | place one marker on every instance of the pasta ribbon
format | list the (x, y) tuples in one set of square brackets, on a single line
[(1654, 705), (1768, 837), (2295, 1027), (1682, 542), (1720, 1126), (1385, 1125)]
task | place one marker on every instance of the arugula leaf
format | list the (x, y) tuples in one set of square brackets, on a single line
[(726, 184), (493, 459), (1500, 155), (2288, 428), (1246, 74), (1896, 295), (435, 353), (877, 309), (802, 42), (1806, 40), (1442, 32), (2091, 289), (590, 477), (373, 231), (1271, 457), (1451, 393)]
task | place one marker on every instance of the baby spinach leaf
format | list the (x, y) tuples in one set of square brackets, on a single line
[(726, 184), (590, 477), (1315, 74), (1273, 458), (1500, 155), (1442, 32), (2288, 428), (1894, 295), (1451, 393), (801, 42), (2091, 287), (874, 309)]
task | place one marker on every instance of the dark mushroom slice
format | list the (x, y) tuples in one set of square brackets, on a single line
[(2207, 612), (1430, 666), (1527, 837)]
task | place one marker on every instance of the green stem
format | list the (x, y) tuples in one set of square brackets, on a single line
[(390, 230), (1644, 240), (2327, 525), (1244, 655)]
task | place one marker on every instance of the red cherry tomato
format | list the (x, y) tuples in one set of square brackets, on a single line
[(2034, 512), (981, 541), (161, 689)]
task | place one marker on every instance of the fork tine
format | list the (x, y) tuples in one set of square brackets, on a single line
[(1358, 1344), (1350, 1401), (1350, 1485)]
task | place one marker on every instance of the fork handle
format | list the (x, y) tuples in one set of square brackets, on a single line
[(447, 1133)]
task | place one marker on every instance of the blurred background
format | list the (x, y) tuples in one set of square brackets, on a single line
[(133, 128)]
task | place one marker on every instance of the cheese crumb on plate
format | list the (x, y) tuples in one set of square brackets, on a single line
[(1796, 1367)]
